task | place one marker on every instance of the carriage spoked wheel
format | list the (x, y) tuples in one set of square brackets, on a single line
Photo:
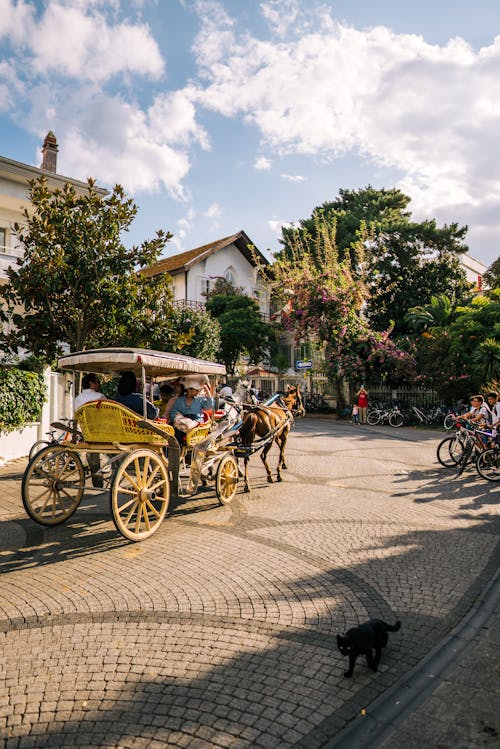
[(53, 485), (140, 494), (226, 479)]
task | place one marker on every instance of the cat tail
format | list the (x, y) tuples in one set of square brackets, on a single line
[(394, 628)]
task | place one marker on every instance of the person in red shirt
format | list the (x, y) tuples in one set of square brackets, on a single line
[(362, 401)]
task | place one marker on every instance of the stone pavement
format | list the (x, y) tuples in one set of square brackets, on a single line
[(220, 630)]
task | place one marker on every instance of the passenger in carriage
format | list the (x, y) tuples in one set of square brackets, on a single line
[(128, 396), (169, 394), (187, 411), (91, 391)]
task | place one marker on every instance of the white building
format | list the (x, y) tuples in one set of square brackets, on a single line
[(14, 177), (194, 273), (474, 271)]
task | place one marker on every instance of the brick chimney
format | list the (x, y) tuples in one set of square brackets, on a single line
[(49, 153)]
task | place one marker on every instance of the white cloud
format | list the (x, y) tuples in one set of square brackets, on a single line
[(276, 226), (213, 212), (293, 177), (172, 118), (281, 14), (79, 42), (262, 164), (15, 19), (430, 112)]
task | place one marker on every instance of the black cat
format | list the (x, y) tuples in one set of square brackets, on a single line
[(363, 640)]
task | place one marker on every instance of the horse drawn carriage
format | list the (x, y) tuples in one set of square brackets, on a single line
[(143, 465)]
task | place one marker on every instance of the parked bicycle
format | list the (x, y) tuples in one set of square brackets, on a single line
[(64, 431), (391, 415)]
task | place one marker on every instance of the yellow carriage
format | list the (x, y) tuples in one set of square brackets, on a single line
[(142, 463)]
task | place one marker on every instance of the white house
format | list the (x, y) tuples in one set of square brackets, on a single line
[(14, 177), (474, 270), (194, 273)]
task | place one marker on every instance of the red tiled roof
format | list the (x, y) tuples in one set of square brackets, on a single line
[(184, 260)]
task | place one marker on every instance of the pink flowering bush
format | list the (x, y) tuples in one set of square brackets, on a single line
[(323, 300)]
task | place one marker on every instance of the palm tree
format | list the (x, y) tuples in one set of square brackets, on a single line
[(486, 359), (437, 314)]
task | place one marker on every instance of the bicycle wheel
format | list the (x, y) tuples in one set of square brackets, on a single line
[(396, 419), (488, 464), (35, 449), (373, 417), (449, 421), (450, 451), (466, 457)]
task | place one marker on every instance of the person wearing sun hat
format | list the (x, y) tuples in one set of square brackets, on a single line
[(198, 396)]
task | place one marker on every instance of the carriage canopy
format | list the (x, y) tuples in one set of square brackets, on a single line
[(137, 360)]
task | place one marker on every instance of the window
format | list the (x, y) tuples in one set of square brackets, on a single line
[(204, 286), (3, 239), (230, 277)]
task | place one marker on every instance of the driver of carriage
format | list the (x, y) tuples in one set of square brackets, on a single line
[(198, 397), (226, 391), (128, 396)]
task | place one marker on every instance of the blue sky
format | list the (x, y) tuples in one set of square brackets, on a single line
[(220, 115)]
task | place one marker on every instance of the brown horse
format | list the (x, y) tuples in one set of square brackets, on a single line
[(270, 424)]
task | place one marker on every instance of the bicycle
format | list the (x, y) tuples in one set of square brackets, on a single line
[(488, 464), (63, 431), (392, 416), (451, 417), (477, 441)]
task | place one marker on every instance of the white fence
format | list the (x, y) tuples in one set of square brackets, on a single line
[(403, 396)]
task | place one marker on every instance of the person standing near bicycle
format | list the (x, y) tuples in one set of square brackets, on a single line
[(362, 403), (494, 406), (91, 391)]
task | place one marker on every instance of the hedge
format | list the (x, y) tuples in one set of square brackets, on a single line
[(22, 395)]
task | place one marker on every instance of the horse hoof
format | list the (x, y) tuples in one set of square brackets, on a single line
[(246, 489), (279, 478), (269, 480)]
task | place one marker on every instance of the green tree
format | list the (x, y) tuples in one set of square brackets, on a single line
[(402, 262), (201, 332), (242, 330), (460, 356), (77, 284), (324, 300), (492, 276), (438, 313), (486, 359)]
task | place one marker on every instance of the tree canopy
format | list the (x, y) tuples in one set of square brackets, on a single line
[(402, 262), (242, 330), (323, 298), (77, 284)]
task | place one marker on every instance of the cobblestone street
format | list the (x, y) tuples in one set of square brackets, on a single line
[(221, 629)]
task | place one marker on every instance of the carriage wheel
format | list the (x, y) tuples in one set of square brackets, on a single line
[(53, 485), (140, 493), (226, 479)]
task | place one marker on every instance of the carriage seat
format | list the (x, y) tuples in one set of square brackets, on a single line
[(109, 421)]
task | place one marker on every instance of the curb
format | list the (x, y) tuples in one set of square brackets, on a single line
[(390, 710)]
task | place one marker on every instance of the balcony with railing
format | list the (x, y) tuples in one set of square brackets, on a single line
[(8, 256), (192, 304)]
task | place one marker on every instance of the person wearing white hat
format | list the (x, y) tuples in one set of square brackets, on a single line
[(197, 397)]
